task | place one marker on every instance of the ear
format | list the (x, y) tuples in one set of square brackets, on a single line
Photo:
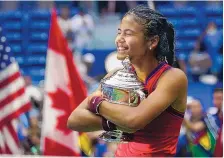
[(153, 42)]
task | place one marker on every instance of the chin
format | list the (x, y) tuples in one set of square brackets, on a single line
[(121, 56)]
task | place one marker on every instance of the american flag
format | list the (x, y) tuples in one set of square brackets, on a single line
[(13, 101)]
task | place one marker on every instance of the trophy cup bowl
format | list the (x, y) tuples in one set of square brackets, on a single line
[(124, 88)]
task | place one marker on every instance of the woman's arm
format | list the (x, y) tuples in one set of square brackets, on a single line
[(171, 86), (82, 120)]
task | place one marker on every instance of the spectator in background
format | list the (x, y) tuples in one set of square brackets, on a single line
[(216, 109), (23, 127), (212, 40), (34, 139), (219, 141), (220, 73), (84, 64), (199, 134), (120, 6), (182, 140), (64, 20), (82, 27), (65, 24), (200, 138), (36, 98), (218, 102), (216, 118), (30, 121), (199, 61), (70, 39), (195, 122)]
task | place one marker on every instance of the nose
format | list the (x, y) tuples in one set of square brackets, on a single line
[(120, 39)]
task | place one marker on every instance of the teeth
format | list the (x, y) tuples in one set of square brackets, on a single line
[(121, 48)]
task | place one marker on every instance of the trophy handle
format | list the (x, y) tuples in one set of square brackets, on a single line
[(137, 97), (141, 94), (116, 136)]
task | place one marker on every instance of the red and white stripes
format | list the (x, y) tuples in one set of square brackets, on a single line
[(13, 102)]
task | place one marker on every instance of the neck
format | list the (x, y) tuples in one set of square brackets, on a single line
[(144, 66)]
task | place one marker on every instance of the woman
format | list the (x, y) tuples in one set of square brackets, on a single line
[(148, 39)]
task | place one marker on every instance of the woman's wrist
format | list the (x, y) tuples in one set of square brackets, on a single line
[(94, 104)]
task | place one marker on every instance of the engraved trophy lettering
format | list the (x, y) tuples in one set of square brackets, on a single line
[(124, 88)]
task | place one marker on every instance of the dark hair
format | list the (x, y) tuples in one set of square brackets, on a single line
[(156, 24), (218, 87), (218, 90)]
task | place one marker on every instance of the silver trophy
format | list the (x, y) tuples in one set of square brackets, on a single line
[(124, 88)]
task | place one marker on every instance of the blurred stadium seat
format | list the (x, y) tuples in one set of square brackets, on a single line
[(16, 48), (34, 60), (40, 25), (37, 48), (21, 60), (40, 14)]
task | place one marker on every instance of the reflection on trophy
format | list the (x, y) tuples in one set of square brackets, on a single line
[(123, 88)]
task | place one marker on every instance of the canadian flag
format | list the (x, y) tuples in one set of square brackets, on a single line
[(64, 91)]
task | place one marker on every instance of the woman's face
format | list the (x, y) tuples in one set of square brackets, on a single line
[(130, 39)]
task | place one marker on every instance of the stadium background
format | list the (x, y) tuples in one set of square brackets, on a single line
[(26, 27)]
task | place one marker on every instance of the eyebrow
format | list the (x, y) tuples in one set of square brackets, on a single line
[(125, 30)]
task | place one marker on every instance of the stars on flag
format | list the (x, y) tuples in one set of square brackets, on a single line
[(5, 56)]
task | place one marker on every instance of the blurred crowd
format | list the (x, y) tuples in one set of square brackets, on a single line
[(201, 130), (201, 127), (206, 59)]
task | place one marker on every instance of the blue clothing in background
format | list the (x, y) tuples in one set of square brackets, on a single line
[(101, 149), (23, 125)]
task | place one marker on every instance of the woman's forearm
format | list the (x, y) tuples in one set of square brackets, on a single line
[(83, 120)]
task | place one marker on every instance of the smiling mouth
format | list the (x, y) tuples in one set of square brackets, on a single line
[(121, 49)]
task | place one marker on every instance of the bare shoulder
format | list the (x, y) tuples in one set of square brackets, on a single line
[(177, 74), (175, 78), (180, 85), (174, 83)]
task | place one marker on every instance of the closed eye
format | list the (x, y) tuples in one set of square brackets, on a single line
[(128, 33), (118, 31)]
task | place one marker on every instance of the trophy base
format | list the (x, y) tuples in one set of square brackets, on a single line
[(115, 136)]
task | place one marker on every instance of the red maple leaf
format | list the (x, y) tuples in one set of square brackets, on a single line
[(62, 101)]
